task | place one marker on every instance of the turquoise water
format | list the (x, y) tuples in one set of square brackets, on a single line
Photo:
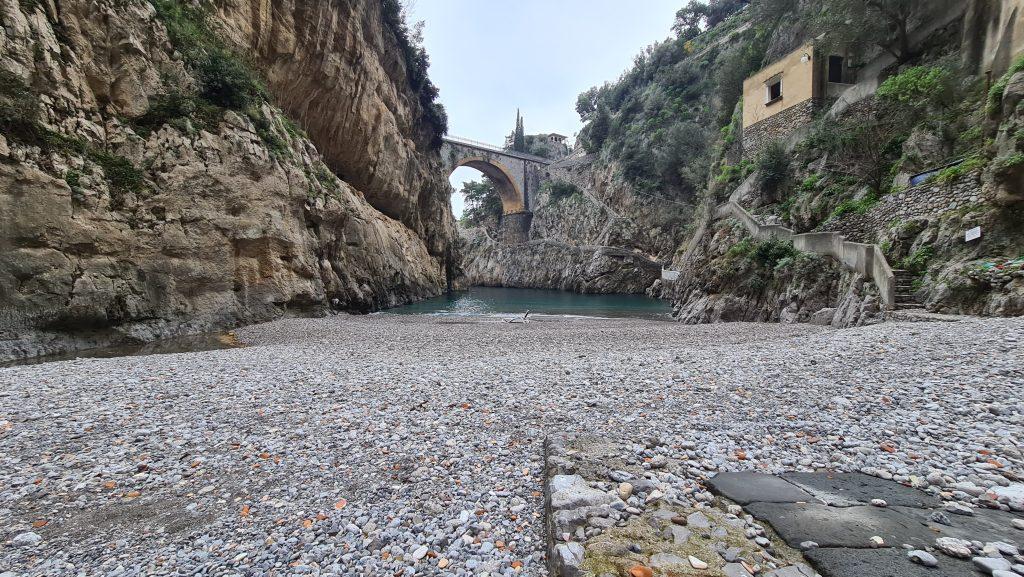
[(488, 301)]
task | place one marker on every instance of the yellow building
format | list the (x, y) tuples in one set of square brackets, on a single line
[(786, 94)]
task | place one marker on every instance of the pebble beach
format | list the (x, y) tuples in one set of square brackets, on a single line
[(413, 445)]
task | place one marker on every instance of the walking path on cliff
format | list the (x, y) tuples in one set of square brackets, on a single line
[(388, 445)]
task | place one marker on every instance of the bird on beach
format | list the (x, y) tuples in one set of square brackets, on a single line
[(522, 320)]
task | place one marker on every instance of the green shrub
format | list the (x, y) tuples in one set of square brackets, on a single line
[(733, 172), (325, 177), (859, 206), (995, 94), (173, 108), (810, 184), (919, 88), (560, 190), (770, 252), (742, 249), (225, 81), (917, 262), (265, 130), (417, 62), (120, 172), (773, 167), (73, 178), (953, 173), (1007, 163), (19, 111)]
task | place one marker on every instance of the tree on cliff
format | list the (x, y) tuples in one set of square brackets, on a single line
[(417, 62), (483, 205), (519, 138), (860, 24), (696, 17)]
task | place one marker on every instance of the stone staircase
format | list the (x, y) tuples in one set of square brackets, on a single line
[(905, 298)]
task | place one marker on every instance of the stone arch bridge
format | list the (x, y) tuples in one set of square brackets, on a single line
[(516, 175)]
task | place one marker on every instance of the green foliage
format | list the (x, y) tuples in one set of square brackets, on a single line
[(1007, 163), (224, 79), (865, 151), (174, 108), (122, 176), (265, 130), (519, 135), (858, 206), (730, 173), (417, 63), (917, 262), (766, 253), (858, 25), (697, 16), (483, 204), (73, 178), (737, 64), (810, 184), (773, 167), (921, 88), (227, 82), (594, 134), (770, 252), (995, 94), (322, 175), (560, 190), (659, 121), (953, 173), (19, 111), (19, 121)]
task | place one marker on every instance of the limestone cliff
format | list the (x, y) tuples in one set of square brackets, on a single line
[(130, 209), (599, 237)]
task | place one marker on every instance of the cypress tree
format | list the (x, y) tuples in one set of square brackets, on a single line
[(519, 140)]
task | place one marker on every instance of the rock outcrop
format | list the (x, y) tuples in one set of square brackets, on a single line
[(549, 264), (600, 239), (336, 69), (113, 228)]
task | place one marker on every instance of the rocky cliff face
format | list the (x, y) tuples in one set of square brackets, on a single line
[(114, 226), (335, 68), (600, 238)]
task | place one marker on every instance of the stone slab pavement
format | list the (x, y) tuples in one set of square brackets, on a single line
[(855, 525)]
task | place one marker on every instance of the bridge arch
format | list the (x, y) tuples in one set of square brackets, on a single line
[(516, 176), (512, 198)]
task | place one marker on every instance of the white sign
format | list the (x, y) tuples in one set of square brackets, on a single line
[(973, 234)]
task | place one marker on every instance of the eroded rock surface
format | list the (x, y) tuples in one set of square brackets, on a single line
[(222, 222)]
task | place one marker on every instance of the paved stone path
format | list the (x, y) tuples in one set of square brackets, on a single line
[(845, 514)]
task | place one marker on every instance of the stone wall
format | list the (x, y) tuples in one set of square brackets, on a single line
[(515, 227), (926, 201), (778, 127)]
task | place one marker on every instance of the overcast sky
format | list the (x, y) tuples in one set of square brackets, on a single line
[(489, 57)]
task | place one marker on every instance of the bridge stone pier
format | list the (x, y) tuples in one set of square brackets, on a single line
[(516, 175)]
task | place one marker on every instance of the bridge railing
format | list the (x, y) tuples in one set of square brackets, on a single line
[(493, 148)]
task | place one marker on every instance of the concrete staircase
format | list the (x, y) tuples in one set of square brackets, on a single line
[(905, 298)]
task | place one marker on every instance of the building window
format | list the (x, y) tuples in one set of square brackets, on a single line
[(774, 90), (835, 69)]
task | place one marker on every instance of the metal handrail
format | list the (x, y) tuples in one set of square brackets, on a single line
[(492, 148)]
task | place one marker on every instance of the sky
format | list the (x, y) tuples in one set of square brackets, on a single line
[(490, 57)]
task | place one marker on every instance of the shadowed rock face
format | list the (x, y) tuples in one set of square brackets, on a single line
[(227, 228), (336, 69)]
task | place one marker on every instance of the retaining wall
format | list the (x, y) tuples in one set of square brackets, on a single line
[(926, 201), (866, 259)]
